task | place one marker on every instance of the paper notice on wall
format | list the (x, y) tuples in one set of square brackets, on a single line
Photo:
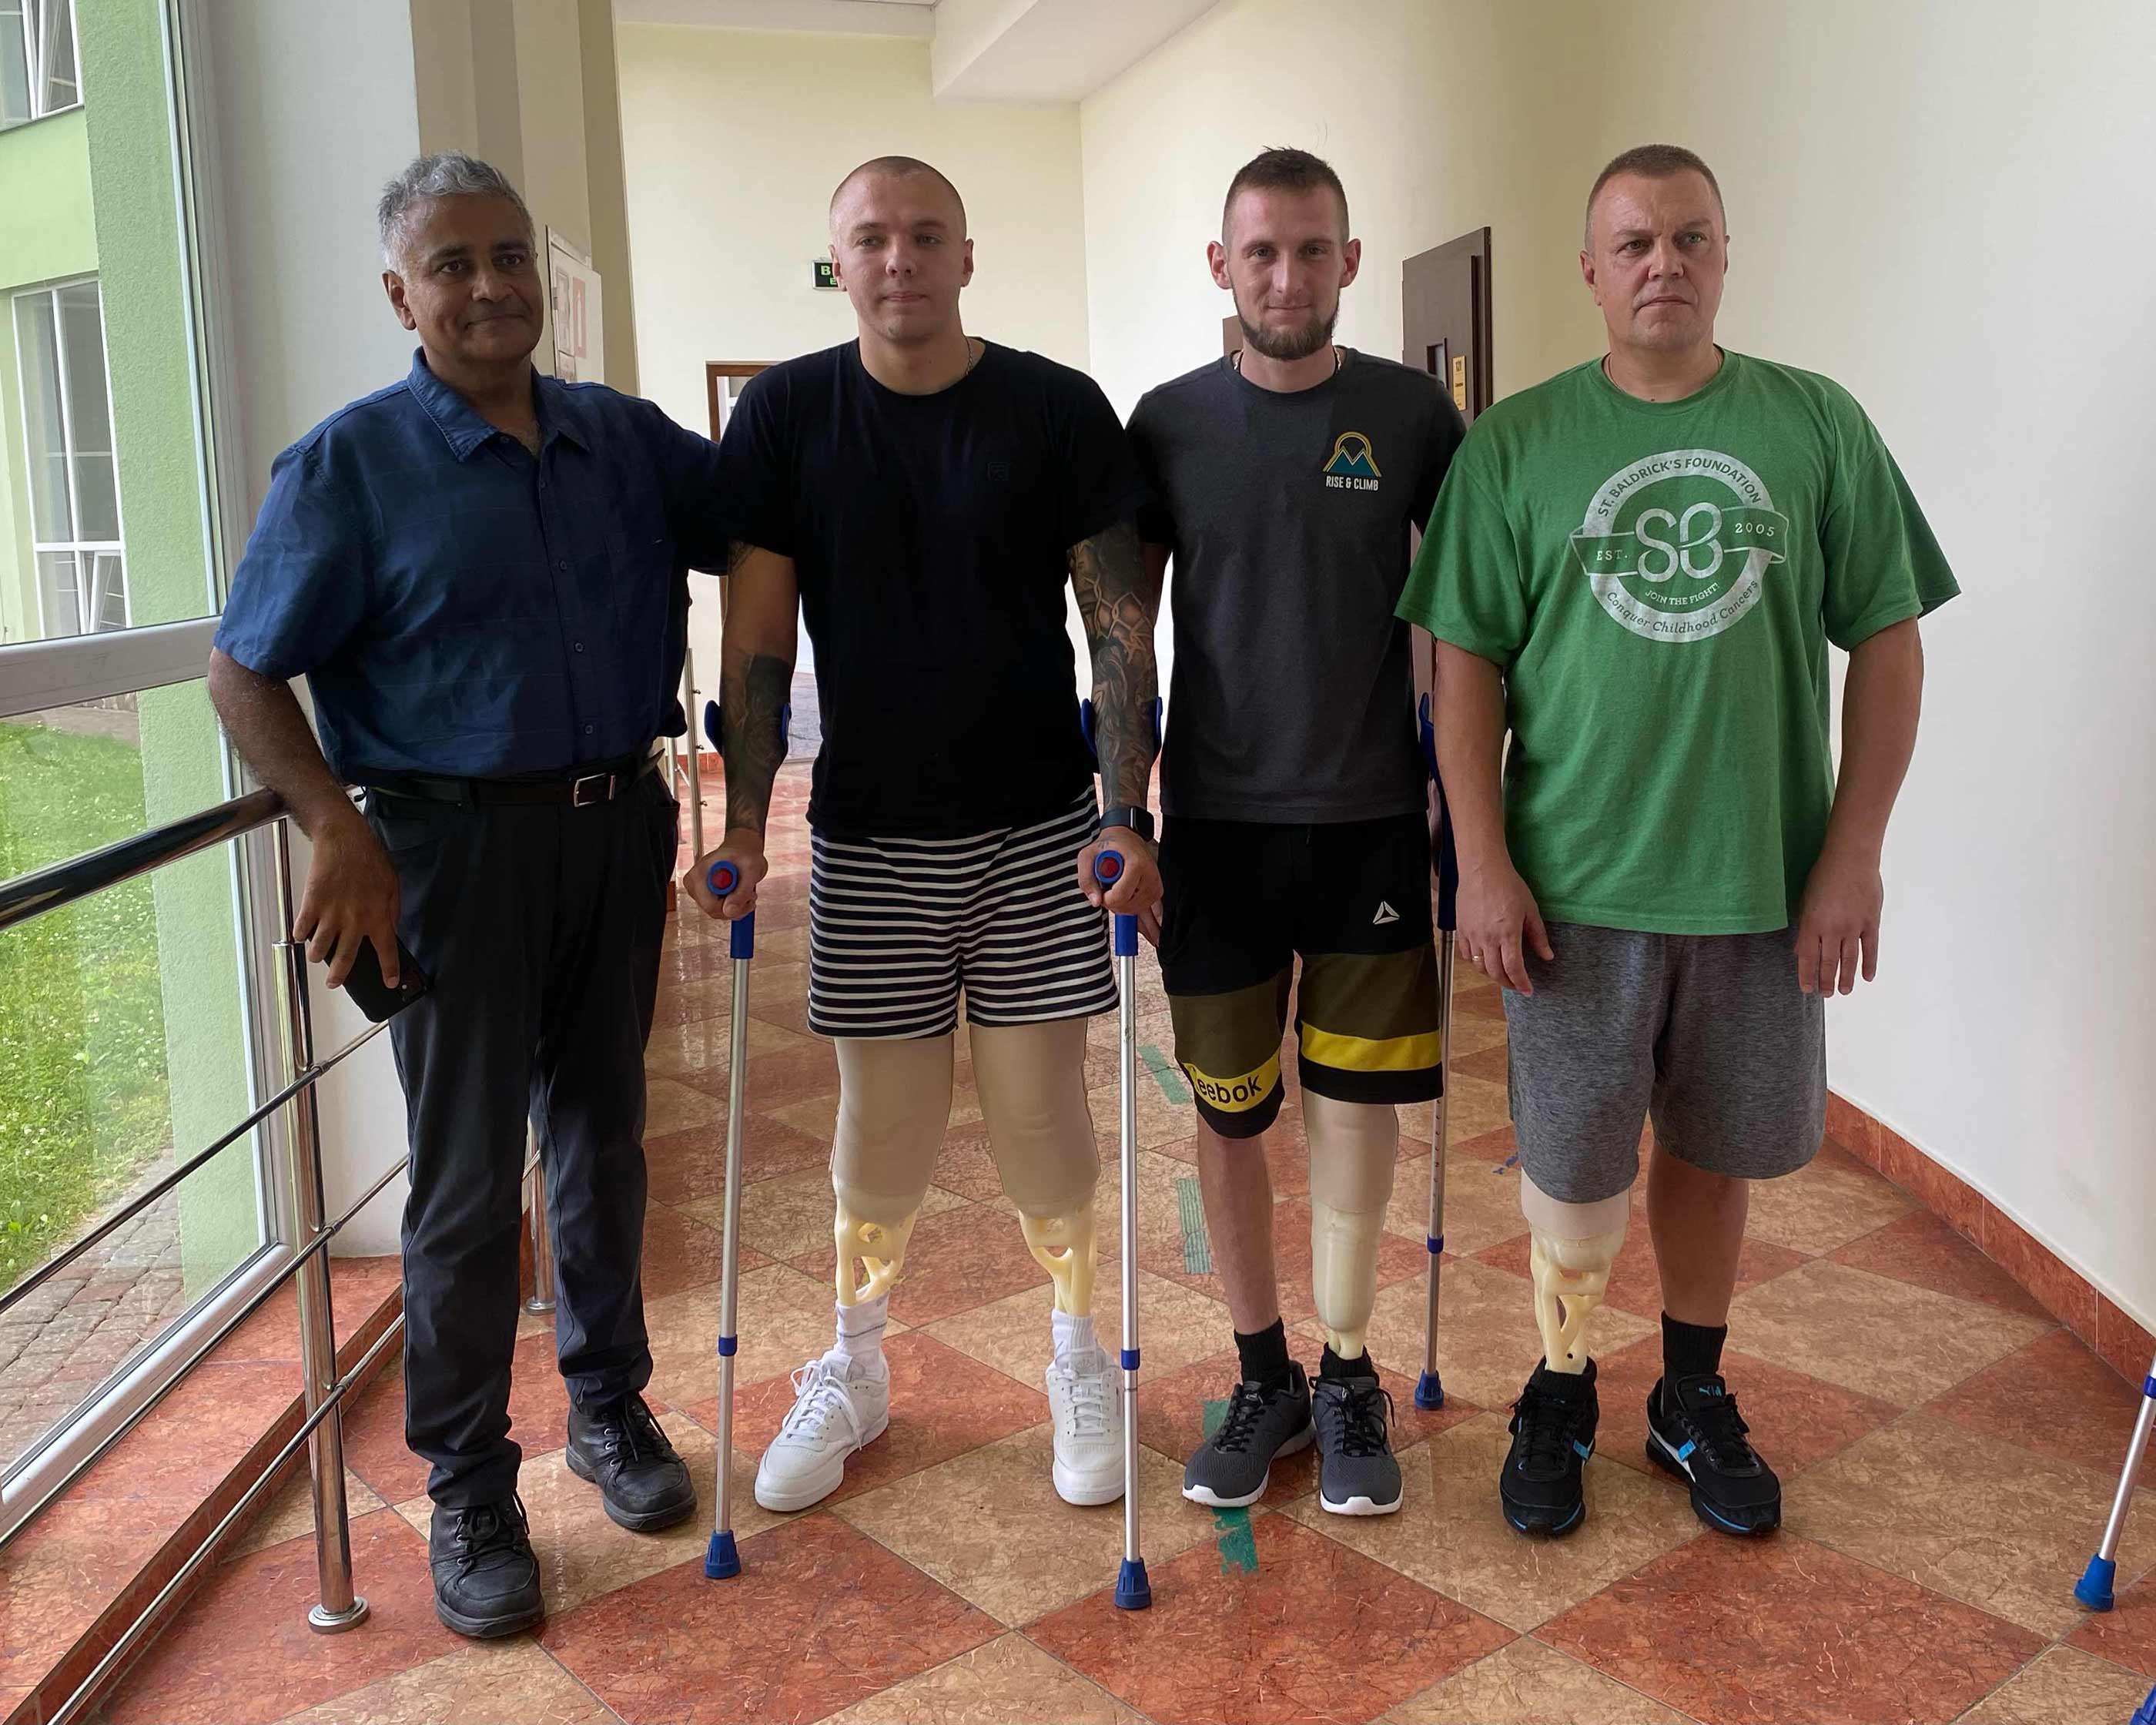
[(574, 299)]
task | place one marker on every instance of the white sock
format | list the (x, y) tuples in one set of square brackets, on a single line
[(860, 1335), (1073, 1334)]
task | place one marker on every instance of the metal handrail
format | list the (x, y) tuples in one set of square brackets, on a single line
[(64, 883), (67, 883)]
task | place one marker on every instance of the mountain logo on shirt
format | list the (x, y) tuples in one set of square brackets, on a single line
[(1352, 465), (1676, 545)]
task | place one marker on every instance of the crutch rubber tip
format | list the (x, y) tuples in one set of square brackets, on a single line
[(1133, 1592), (2093, 1589), (2145, 1714), (721, 1562), (1429, 1392)]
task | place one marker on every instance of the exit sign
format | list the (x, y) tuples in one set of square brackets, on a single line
[(826, 274)]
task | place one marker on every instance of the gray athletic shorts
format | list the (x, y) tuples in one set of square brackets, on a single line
[(1709, 1034)]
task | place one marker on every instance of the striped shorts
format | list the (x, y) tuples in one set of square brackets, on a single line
[(898, 927)]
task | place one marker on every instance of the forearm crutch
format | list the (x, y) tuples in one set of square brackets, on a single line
[(1430, 1391), (721, 1558), (1133, 1593), (2093, 1589)]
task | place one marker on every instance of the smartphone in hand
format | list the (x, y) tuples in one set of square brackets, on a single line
[(376, 998)]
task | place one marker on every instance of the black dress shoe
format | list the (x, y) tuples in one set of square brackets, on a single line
[(487, 1581), (621, 1449)]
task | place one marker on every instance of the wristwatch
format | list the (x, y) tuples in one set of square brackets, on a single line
[(1138, 819)]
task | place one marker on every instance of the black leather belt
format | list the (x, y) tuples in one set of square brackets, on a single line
[(600, 782)]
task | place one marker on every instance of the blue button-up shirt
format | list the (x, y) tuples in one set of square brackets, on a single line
[(460, 607)]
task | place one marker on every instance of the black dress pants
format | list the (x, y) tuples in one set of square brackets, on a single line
[(540, 927)]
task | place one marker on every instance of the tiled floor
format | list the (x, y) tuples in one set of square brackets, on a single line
[(1948, 1451)]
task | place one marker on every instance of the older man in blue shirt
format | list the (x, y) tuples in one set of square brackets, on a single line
[(480, 571)]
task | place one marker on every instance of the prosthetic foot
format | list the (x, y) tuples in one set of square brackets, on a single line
[(1572, 1249)]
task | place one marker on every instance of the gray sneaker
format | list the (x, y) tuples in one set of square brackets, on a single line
[(1357, 1475), (1231, 1466)]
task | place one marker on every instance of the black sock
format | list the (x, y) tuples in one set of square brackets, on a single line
[(1690, 1350), (1264, 1355), (1331, 1365)]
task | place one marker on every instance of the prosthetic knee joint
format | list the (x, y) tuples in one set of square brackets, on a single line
[(1571, 1250), (1354, 1147), (874, 1231)]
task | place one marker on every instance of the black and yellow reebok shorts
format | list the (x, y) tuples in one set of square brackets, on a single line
[(1352, 898)]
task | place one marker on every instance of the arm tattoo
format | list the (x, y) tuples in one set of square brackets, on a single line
[(1118, 603), (753, 690)]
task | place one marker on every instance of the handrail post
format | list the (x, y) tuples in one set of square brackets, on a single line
[(695, 771), (339, 1608), (542, 1301)]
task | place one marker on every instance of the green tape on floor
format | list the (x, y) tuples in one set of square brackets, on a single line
[(1238, 1546), (1165, 1075), (1197, 1252)]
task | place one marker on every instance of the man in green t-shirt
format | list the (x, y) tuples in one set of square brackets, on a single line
[(1637, 567)]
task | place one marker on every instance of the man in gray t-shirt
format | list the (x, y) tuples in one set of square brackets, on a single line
[(1286, 485)]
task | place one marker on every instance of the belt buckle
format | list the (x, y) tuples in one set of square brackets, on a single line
[(605, 781)]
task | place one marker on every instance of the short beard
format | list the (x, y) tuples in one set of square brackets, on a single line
[(1289, 345)]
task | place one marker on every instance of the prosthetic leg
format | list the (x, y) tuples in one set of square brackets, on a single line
[(894, 1101), (1571, 1250), (1354, 1148), (1032, 1084)]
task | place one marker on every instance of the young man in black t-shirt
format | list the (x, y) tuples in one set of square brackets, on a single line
[(926, 498), (1286, 483)]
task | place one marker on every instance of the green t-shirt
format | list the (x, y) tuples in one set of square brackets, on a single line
[(1658, 582)]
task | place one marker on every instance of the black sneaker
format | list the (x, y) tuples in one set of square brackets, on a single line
[(1357, 1475), (1698, 1435), (487, 1581), (623, 1451), (1231, 1467), (1553, 1436)]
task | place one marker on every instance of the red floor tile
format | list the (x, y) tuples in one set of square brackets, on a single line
[(1925, 1252), (1780, 1631), (241, 1653), (686, 1166), (56, 1575), (681, 1252), (1260, 1648), (821, 1617), (2054, 1397), (2126, 1635)]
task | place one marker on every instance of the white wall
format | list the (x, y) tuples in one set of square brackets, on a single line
[(1950, 211), (315, 109)]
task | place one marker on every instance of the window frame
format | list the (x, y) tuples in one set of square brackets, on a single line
[(75, 545), (26, 25)]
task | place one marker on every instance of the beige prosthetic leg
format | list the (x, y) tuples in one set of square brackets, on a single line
[(1354, 1148), (1032, 1083), (894, 1102), (1571, 1250)]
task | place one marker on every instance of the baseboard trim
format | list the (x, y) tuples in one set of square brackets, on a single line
[(2055, 1285)]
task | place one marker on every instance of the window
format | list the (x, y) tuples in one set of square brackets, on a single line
[(74, 481), (37, 72)]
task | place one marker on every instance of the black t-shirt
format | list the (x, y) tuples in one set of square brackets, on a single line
[(1290, 517), (930, 534)]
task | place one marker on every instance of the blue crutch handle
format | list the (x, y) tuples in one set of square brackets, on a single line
[(1108, 870), (722, 878)]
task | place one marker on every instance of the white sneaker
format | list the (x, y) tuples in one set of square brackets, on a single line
[(1085, 1400), (836, 1412)]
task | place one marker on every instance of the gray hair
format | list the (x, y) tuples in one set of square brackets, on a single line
[(449, 175)]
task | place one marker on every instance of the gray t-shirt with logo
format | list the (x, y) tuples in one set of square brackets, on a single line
[(1291, 519)]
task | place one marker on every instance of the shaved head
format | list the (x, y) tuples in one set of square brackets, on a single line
[(898, 168)]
